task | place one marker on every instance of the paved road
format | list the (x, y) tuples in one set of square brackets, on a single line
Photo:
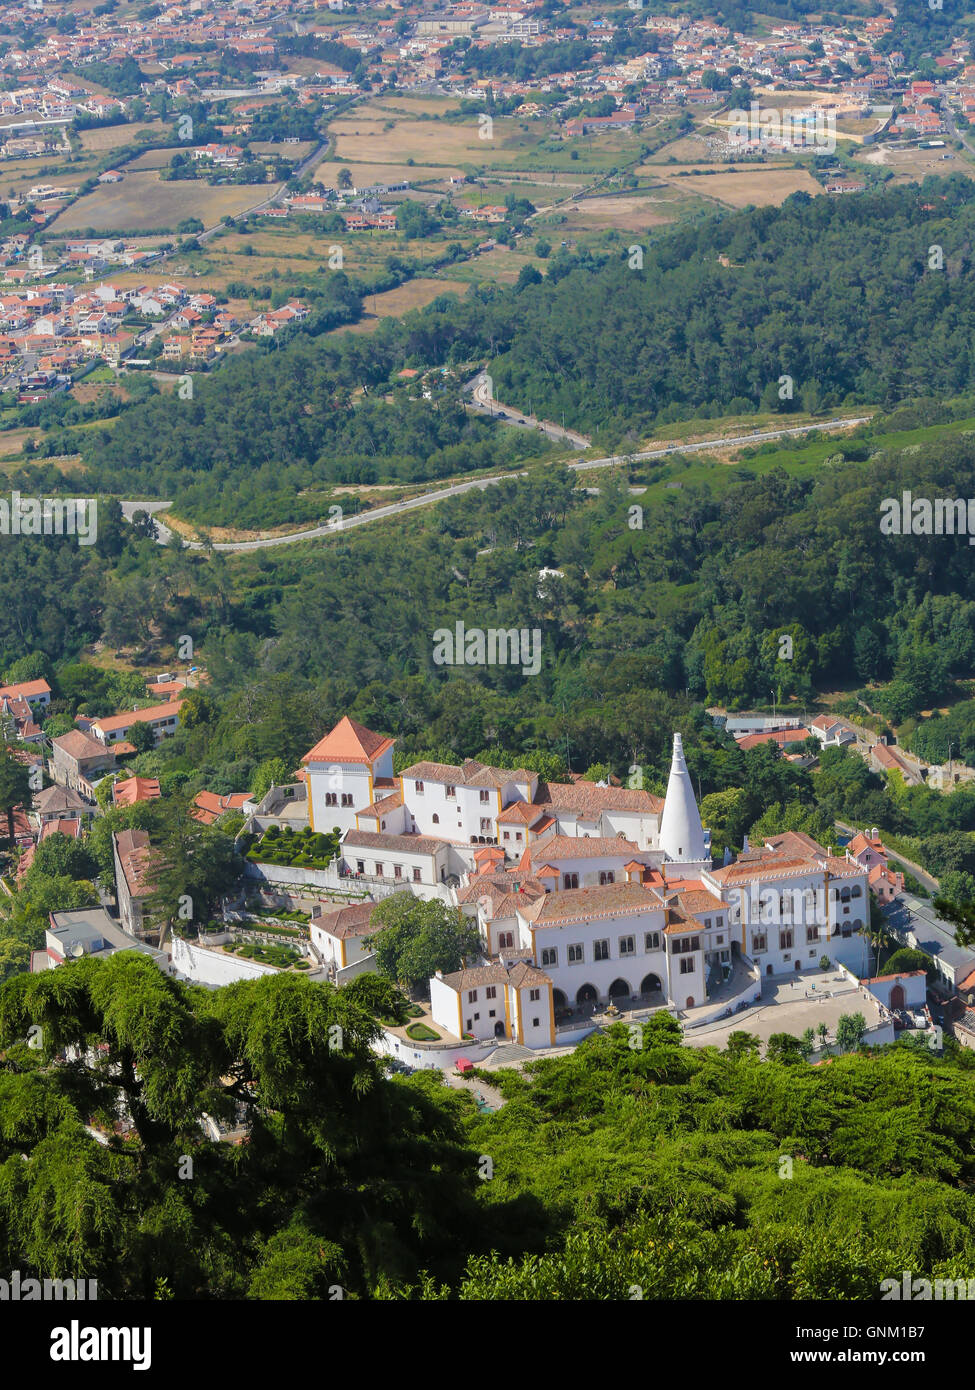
[(426, 499), (298, 172), (483, 401), (954, 131)]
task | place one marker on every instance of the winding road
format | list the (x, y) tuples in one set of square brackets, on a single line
[(426, 499)]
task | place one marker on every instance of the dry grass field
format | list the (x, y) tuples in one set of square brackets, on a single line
[(428, 142), (628, 213), (409, 106), (111, 137), (152, 159), (363, 175), (277, 147), (737, 185), (142, 201), (413, 295)]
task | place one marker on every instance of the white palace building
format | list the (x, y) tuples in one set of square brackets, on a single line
[(584, 894)]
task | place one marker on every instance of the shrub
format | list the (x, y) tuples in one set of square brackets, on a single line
[(419, 1032)]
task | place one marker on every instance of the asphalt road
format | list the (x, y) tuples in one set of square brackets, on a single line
[(348, 523), (483, 401)]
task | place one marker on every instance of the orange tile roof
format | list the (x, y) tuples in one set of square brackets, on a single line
[(139, 716), (135, 789), (349, 742)]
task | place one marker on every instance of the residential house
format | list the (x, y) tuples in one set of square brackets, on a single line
[(133, 879)]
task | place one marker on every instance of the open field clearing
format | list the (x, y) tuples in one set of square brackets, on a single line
[(499, 265), (763, 185), (17, 176), (278, 147), (515, 144), (143, 201), (428, 142), (12, 441), (687, 149), (152, 159), (413, 295), (910, 164), (113, 137), (410, 106), (627, 212), (363, 175)]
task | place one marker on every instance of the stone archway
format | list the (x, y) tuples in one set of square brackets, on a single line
[(619, 989), (587, 994), (650, 984)]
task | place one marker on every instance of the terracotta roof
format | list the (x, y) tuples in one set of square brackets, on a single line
[(209, 807), (67, 826), (521, 813), (523, 973), (778, 736), (795, 842), (586, 904), (404, 844), (898, 975), (79, 746), (587, 796), (860, 842), (134, 856), (469, 774), (348, 921), (379, 808), (138, 716), (476, 975), (135, 789), (697, 901), (59, 799), (581, 847), (506, 891), (349, 742), (24, 689)]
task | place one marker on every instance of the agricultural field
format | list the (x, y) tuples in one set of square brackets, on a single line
[(500, 265), (380, 135), (738, 185), (143, 202), (327, 173), (627, 212), (152, 159), (414, 294), (111, 137)]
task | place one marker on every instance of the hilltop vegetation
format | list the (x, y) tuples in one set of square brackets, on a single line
[(825, 302), (682, 1172)]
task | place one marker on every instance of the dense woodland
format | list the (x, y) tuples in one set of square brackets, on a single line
[(824, 302), (686, 1173)]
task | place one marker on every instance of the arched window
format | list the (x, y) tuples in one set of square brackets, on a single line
[(436, 820)]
